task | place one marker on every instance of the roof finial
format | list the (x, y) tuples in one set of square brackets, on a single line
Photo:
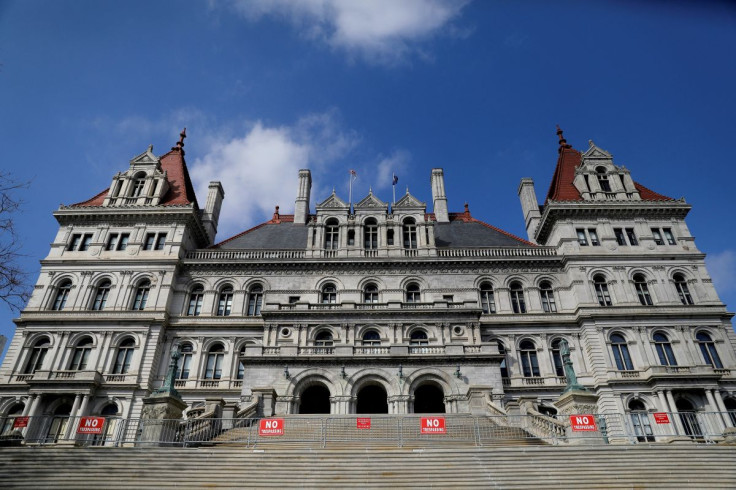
[(563, 141), (180, 144), (276, 216)]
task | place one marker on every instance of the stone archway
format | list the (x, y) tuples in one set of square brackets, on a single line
[(429, 398), (315, 399), (372, 398)]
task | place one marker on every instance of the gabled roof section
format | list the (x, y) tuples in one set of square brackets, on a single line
[(409, 202), (181, 190), (371, 202), (333, 202), (562, 188)]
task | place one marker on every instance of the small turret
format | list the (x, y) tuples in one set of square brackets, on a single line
[(301, 206)]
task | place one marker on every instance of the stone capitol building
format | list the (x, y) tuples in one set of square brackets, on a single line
[(372, 307)]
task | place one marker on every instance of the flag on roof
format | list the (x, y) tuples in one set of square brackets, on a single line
[(396, 179)]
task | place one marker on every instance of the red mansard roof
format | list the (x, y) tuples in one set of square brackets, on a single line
[(562, 189), (181, 190)]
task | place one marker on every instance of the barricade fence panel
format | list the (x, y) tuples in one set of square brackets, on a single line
[(411, 430)]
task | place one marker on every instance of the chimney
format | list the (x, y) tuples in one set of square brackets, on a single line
[(530, 207), (439, 200), (301, 207), (211, 215)]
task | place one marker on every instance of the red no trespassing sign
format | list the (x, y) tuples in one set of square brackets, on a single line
[(582, 423)]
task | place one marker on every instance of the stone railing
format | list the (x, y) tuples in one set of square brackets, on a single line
[(316, 351), (246, 254), (371, 350), (120, 378), (248, 411), (426, 349), (498, 252)]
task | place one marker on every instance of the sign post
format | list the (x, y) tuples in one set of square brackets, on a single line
[(433, 425), (91, 425), (271, 427)]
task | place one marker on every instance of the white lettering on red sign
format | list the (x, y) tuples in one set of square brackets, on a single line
[(271, 427), (433, 425), (583, 423), (363, 423), (20, 422), (661, 418), (91, 425)]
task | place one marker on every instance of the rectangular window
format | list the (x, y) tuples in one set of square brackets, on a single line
[(123, 243), (160, 241), (389, 237), (657, 236), (448, 297), (86, 241), (150, 240), (631, 236), (593, 237), (112, 241), (669, 236), (620, 238), (74, 243), (293, 299), (582, 239)]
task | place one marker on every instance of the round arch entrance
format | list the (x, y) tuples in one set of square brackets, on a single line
[(429, 398), (372, 399), (315, 399)]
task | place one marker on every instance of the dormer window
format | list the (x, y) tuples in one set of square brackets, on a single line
[(603, 179), (332, 234), (137, 185)]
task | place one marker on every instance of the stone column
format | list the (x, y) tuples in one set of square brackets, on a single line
[(30, 400), (715, 408), (674, 413), (83, 407), (662, 402)]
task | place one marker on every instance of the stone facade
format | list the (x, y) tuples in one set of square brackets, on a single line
[(372, 307)]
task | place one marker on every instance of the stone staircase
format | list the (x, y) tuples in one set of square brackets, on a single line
[(604, 466)]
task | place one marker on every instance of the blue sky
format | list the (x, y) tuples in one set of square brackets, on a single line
[(265, 88)]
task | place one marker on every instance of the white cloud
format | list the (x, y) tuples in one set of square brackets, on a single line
[(722, 268), (259, 168), (380, 31), (386, 167)]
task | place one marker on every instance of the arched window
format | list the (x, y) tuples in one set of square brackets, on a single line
[(101, 294), (138, 182), (329, 293), (548, 297), (241, 365), (80, 358), (603, 179), (487, 299), (640, 421), (255, 300), (371, 337), (708, 349), (62, 294), (124, 357), (528, 357), (332, 234), (682, 290), (664, 350), (370, 234), (620, 351), (413, 294), (323, 339), (370, 293), (503, 365), (730, 404), (601, 290), (517, 298), (557, 358), (213, 369), (418, 337), (37, 355), (410, 233), (141, 295), (195, 301), (185, 361), (225, 303), (642, 290), (9, 422)]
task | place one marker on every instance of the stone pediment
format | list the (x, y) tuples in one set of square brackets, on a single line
[(147, 158), (333, 202), (372, 203), (596, 153), (409, 202)]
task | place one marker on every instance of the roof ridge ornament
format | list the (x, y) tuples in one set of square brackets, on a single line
[(180, 144), (563, 141)]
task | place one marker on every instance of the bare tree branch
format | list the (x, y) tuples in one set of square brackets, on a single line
[(14, 286)]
